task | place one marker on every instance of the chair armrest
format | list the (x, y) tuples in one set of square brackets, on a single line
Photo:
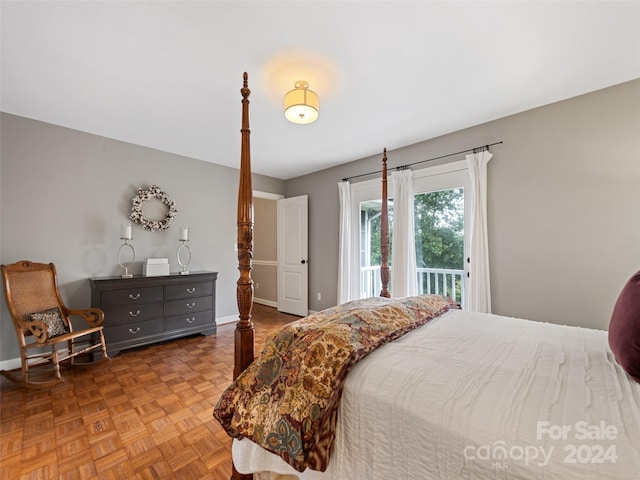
[(37, 328), (93, 316)]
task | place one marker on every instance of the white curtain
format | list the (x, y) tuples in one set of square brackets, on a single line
[(404, 281), (345, 278), (479, 294)]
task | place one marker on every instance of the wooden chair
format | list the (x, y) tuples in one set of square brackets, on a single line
[(32, 297)]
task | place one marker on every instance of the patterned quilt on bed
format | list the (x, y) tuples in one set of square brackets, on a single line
[(286, 401)]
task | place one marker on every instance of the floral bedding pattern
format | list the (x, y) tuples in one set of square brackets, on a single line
[(286, 401)]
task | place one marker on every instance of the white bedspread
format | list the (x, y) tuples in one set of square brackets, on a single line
[(476, 396)]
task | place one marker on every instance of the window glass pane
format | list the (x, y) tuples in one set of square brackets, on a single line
[(370, 254), (439, 234)]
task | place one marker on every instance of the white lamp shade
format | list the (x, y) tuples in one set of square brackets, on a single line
[(301, 105)]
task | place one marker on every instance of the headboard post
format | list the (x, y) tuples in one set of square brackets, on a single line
[(244, 334), (384, 232)]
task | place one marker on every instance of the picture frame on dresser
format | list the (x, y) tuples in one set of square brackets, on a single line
[(144, 310)]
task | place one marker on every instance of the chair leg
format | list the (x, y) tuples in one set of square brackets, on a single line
[(25, 364), (56, 361), (90, 349), (104, 345)]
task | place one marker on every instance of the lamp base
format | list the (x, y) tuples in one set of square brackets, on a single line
[(184, 265), (126, 266)]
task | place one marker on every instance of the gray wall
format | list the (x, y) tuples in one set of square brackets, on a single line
[(64, 195), (563, 206)]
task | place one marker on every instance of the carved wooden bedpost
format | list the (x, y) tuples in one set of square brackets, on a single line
[(244, 328), (384, 232), (244, 334)]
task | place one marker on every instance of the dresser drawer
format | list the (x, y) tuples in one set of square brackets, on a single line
[(180, 322), (188, 305), (188, 290), (132, 313), (131, 296), (133, 331)]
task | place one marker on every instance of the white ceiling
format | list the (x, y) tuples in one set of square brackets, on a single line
[(167, 75)]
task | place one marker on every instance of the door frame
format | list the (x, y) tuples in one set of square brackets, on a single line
[(274, 197)]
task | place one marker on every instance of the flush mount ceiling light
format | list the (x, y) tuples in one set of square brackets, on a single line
[(301, 105)]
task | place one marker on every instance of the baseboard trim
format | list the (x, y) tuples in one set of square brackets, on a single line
[(234, 318), (268, 303), (227, 319), (10, 364)]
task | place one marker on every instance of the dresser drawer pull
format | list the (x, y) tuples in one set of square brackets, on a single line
[(137, 329), (134, 314), (191, 320), (191, 305), (134, 297), (191, 290)]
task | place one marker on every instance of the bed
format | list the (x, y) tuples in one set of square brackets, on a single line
[(445, 394)]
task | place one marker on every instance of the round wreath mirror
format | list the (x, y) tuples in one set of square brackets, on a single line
[(153, 194)]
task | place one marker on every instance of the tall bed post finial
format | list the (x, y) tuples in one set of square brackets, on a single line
[(244, 335), (384, 232)]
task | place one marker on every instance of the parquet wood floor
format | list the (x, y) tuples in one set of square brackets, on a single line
[(145, 414)]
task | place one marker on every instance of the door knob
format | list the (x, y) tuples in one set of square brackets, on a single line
[(303, 261)]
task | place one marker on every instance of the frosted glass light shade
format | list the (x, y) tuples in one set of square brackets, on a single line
[(301, 105)]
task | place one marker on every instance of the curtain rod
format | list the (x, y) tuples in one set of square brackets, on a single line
[(402, 167)]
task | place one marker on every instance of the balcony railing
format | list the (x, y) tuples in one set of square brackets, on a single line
[(370, 284), (439, 281)]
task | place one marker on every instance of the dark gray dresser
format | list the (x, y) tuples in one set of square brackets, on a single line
[(143, 310)]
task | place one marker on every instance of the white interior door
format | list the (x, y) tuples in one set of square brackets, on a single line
[(293, 281)]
